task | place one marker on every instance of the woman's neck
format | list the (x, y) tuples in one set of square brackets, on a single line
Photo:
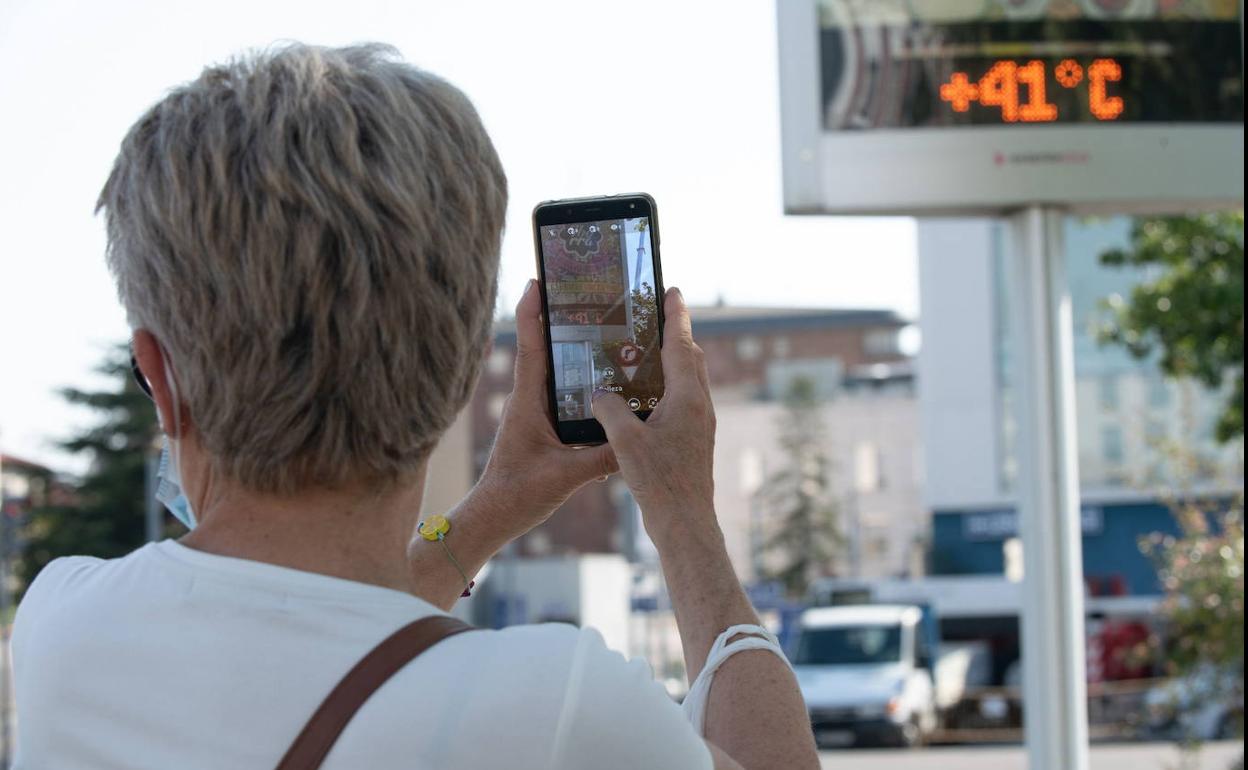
[(356, 534)]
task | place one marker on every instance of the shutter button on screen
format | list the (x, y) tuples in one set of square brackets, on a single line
[(634, 404)]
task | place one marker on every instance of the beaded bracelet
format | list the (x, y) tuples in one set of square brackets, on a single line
[(434, 529)]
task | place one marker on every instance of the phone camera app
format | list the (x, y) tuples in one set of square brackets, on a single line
[(603, 313)]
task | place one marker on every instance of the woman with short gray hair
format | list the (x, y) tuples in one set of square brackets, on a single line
[(306, 243)]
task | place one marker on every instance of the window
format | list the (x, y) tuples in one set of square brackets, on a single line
[(751, 476), (499, 362), (881, 342), (16, 486), (842, 645), (571, 365), (1112, 449), (867, 472), (1154, 432), (1109, 392), (780, 347), (749, 348)]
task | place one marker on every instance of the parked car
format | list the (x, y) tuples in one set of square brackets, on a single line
[(866, 674), (961, 668), (1204, 705)]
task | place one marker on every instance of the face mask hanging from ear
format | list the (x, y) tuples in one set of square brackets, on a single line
[(168, 476), (169, 489)]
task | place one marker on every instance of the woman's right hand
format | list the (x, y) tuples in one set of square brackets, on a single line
[(667, 459), (755, 716)]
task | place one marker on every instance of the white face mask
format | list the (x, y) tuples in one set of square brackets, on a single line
[(168, 475), (169, 489)]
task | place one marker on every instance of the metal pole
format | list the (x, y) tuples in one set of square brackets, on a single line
[(1053, 657)]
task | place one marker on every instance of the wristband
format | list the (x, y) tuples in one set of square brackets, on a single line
[(434, 529), (695, 702)]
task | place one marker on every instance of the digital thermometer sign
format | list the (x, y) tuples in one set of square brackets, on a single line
[(983, 106), (908, 71), (1020, 92)]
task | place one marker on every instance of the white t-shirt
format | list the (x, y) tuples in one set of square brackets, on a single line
[(175, 658)]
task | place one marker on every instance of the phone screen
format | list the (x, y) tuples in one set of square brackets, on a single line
[(601, 299)]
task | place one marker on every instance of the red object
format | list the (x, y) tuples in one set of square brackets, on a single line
[(628, 354), (1119, 642)]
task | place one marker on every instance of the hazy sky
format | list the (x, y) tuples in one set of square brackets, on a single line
[(676, 99)]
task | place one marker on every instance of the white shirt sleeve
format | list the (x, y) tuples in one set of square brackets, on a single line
[(616, 716)]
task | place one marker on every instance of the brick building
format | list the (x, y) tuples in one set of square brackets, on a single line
[(751, 353)]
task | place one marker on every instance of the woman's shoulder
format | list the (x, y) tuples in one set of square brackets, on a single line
[(72, 593), (594, 700), (540, 644), (575, 645), (56, 577), (561, 656)]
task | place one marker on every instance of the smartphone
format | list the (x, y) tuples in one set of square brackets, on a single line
[(602, 303)]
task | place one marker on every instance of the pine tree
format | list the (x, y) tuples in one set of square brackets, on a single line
[(107, 518), (804, 542)]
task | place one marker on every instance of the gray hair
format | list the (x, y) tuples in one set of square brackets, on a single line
[(313, 234)]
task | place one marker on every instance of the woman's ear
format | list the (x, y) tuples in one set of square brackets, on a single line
[(155, 368)]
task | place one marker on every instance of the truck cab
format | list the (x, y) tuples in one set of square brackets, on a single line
[(865, 672)]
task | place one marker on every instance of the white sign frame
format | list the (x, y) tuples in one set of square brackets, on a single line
[(1133, 168)]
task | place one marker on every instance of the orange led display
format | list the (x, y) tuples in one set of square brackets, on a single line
[(1002, 87), (1036, 110), (959, 92), (1069, 73), (1104, 106), (999, 88)]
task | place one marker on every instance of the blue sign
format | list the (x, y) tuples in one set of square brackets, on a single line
[(1002, 525)]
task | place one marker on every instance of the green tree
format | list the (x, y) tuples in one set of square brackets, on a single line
[(1190, 310), (1202, 575), (107, 518), (804, 542), (1191, 305), (645, 311)]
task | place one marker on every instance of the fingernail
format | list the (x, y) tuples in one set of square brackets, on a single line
[(528, 287), (598, 392), (679, 294)]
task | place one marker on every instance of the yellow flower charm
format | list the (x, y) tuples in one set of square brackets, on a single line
[(434, 527)]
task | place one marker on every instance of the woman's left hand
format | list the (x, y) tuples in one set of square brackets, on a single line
[(530, 472)]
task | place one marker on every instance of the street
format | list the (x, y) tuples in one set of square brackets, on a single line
[(1112, 756)]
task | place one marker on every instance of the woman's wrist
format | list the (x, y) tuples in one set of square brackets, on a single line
[(478, 530), (705, 591), (677, 526)]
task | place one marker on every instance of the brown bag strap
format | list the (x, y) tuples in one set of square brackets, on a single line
[(373, 670)]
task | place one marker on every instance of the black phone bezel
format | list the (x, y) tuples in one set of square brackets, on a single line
[(571, 211)]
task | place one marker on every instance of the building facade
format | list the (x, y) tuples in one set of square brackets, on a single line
[(753, 354), (1137, 431)]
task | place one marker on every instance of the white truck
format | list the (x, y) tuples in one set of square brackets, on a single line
[(866, 674)]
